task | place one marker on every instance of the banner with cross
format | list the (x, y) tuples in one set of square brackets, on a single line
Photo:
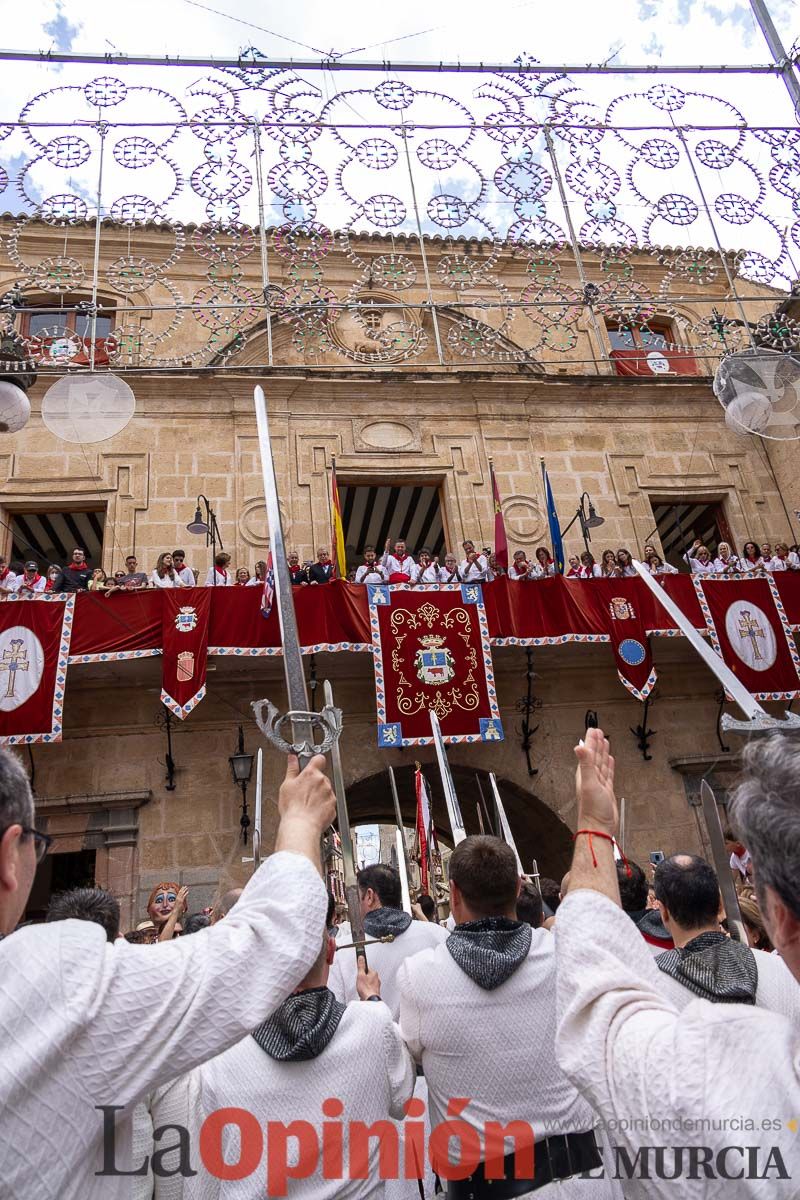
[(34, 651), (748, 627)]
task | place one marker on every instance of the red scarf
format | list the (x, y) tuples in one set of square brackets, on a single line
[(4, 573), (296, 571), (523, 570), (31, 582), (221, 571)]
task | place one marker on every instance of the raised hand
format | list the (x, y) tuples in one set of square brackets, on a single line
[(594, 784)]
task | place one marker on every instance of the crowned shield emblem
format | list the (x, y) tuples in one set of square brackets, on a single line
[(185, 670), (433, 661), (621, 609), (186, 620)]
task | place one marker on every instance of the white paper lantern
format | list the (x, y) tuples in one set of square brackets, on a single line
[(15, 407)]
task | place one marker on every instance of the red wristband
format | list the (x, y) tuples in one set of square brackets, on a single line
[(590, 833)]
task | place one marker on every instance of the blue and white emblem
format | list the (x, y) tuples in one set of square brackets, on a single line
[(186, 620), (632, 652)]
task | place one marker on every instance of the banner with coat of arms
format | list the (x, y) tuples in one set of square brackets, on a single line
[(619, 600), (34, 651), (431, 653), (184, 625), (749, 629)]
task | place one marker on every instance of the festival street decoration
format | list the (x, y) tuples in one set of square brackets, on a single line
[(431, 654), (341, 618), (34, 650)]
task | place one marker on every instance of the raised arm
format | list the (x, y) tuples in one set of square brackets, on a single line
[(148, 1013)]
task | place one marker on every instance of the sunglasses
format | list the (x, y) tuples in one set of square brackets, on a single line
[(42, 841)]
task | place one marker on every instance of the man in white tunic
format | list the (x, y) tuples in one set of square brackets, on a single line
[(727, 1076), (382, 906), (86, 1025), (313, 1055), (479, 1014), (705, 961)]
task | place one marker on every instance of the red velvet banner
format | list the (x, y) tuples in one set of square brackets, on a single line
[(34, 649), (431, 653), (616, 602), (184, 623), (748, 628)]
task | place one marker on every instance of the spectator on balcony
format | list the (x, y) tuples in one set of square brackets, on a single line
[(520, 568), (299, 575), (99, 580), (544, 564), (242, 577), (766, 555), (30, 582), (165, 575), (76, 574), (134, 579), (184, 573), (574, 564), (625, 563), (699, 559), (589, 568), (430, 571), (609, 567), (260, 574), (224, 577), (322, 570), (784, 559), (53, 577), (657, 566), (751, 558), (371, 571), (726, 563), (495, 570), (450, 570), (8, 578), (399, 565), (473, 567)]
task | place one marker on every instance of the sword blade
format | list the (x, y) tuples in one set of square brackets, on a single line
[(450, 797), (351, 892), (621, 830), (505, 828), (722, 864), (257, 810), (302, 728), (402, 849)]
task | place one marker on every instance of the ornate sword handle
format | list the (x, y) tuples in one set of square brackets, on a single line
[(761, 723), (270, 722)]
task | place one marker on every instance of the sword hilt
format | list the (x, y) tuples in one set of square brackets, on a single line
[(270, 721)]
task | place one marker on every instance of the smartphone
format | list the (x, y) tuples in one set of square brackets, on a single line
[(656, 857)]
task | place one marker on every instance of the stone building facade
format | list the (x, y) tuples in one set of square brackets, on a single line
[(634, 444)]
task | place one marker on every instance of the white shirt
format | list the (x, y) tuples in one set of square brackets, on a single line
[(365, 1065), (740, 862), (376, 573), (636, 1059), (165, 581), (495, 1047), (698, 567), (593, 572), (10, 582), (223, 580), (186, 576), (23, 585), (383, 957), (665, 569), (473, 572), (790, 563), (254, 582), (85, 1023), (525, 573), (397, 566), (432, 574), (727, 568)]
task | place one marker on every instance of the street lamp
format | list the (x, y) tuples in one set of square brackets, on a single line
[(210, 528), (241, 770), (588, 519)]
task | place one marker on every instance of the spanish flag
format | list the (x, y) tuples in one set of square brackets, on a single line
[(500, 539), (337, 554)]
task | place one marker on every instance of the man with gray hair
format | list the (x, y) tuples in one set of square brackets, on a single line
[(87, 1029), (676, 1086)]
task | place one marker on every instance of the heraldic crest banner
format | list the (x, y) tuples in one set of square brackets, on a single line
[(34, 650), (431, 653), (184, 625), (748, 628)]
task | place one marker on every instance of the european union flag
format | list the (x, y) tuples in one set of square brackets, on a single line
[(552, 521)]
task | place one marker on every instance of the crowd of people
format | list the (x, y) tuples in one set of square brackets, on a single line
[(608, 1027), (395, 565)]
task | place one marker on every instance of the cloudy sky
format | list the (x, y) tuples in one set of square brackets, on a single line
[(584, 31)]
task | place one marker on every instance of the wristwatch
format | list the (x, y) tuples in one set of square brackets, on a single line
[(373, 997)]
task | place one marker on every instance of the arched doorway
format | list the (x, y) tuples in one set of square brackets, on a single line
[(538, 831)]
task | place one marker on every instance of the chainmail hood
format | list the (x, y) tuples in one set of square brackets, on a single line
[(490, 950), (382, 921), (715, 968), (302, 1027)]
